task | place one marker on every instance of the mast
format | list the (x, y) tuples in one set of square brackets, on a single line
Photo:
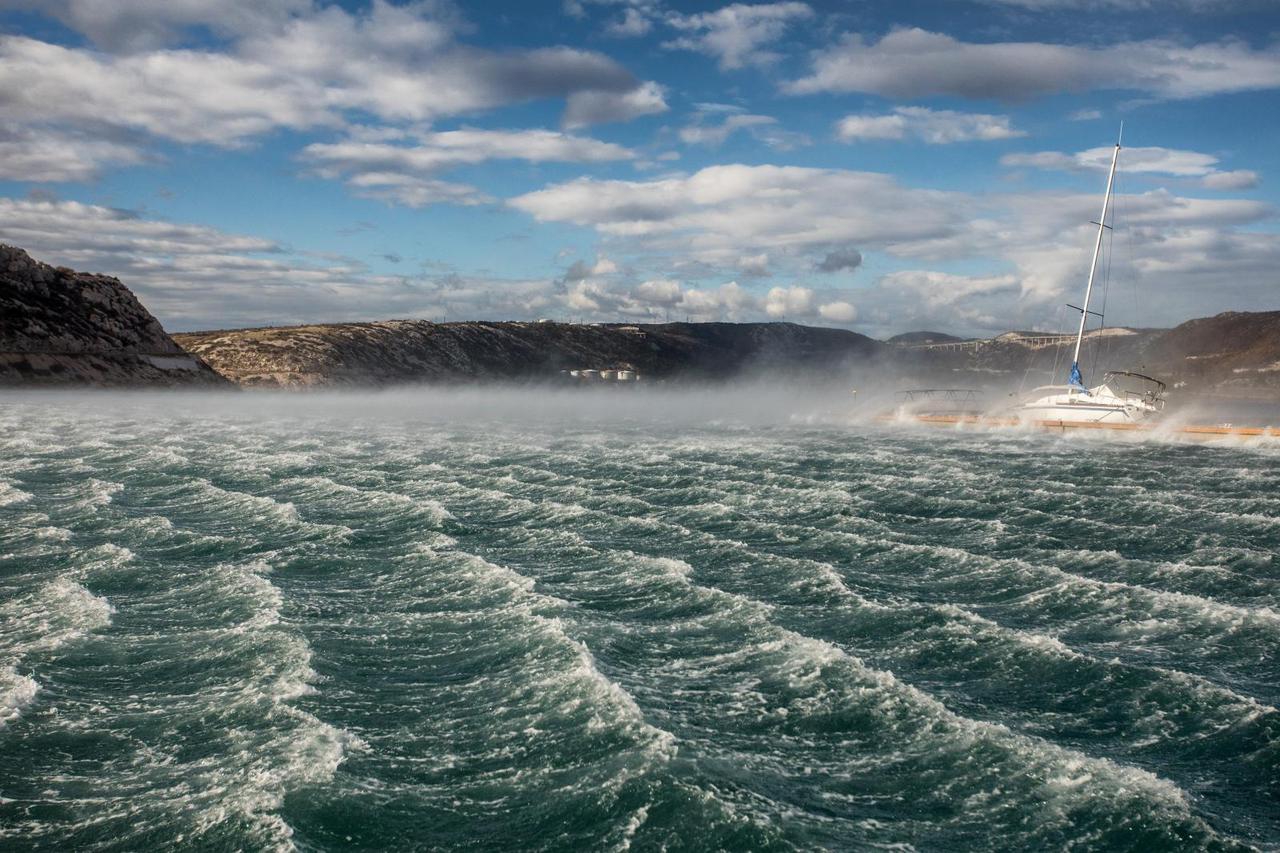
[(1075, 381)]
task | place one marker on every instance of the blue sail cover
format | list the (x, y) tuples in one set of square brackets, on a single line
[(1075, 381)]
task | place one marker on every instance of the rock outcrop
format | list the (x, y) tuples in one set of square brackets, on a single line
[(409, 351), (61, 327)]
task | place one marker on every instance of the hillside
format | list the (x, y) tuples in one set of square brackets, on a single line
[(60, 327), (400, 351), (1227, 353), (1233, 354)]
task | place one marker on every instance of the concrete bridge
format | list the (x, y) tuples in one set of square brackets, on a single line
[(1030, 341)]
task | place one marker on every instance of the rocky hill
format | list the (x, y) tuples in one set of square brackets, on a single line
[(402, 351), (1231, 355), (61, 327)]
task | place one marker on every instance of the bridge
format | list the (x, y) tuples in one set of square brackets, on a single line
[(1030, 341)]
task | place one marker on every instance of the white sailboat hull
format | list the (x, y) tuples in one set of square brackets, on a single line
[(1072, 405)]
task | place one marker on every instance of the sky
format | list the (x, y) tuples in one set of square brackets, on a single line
[(876, 166)]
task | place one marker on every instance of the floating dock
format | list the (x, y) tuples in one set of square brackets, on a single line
[(1203, 432)]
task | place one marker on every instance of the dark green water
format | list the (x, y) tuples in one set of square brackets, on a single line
[(410, 623)]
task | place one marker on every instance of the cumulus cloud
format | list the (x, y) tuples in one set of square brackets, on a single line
[(133, 25), (581, 271), (838, 312), (756, 266), (736, 35), (633, 24), (1198, 255), (721, 213), (793, 302), (47, 155), (601, 106), (196, 277), (938, 288), (1154, 160), (1037, 242), (763, 128), (313, 70), (403, 173), (915, 63), (929, 299), (664, 291), (936, 127)]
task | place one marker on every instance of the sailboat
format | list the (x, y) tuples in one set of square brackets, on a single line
[(1123, 397)]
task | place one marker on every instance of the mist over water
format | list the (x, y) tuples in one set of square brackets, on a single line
[(710, 619)]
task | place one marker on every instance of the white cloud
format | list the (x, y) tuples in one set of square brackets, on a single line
[(398, 64), (1085, 115), (132, 25), (604, 266), (724, 212), (938, 288), (756, 266), (871, 127), (601, 106), (47, 155), (736, 35), (196, 277), (794, 303), (632, 24), (186, 96), (716, 134), (1239, 179), (838, 312), (936, 127), (727, 302), (915, 63), (1036, 243), (1151, 160), (763, 129), (436, 151), (402, 173), (662, 291), (410, 190), (1189, 257)]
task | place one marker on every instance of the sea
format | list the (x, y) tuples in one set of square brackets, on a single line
[(721, 619)]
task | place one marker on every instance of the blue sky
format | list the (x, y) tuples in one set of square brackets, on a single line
[(876, 166)]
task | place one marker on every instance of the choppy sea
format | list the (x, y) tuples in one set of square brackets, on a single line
[(545, 622)]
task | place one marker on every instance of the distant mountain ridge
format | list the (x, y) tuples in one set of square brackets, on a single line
[(400, 351), (61, 327)]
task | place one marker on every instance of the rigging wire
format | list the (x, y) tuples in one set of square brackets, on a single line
[(1059, 347)]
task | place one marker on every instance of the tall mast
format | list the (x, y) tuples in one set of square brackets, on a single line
[(1075, 380)]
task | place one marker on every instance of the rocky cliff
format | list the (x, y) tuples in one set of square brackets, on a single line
[(403, 351), (61, 327)]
